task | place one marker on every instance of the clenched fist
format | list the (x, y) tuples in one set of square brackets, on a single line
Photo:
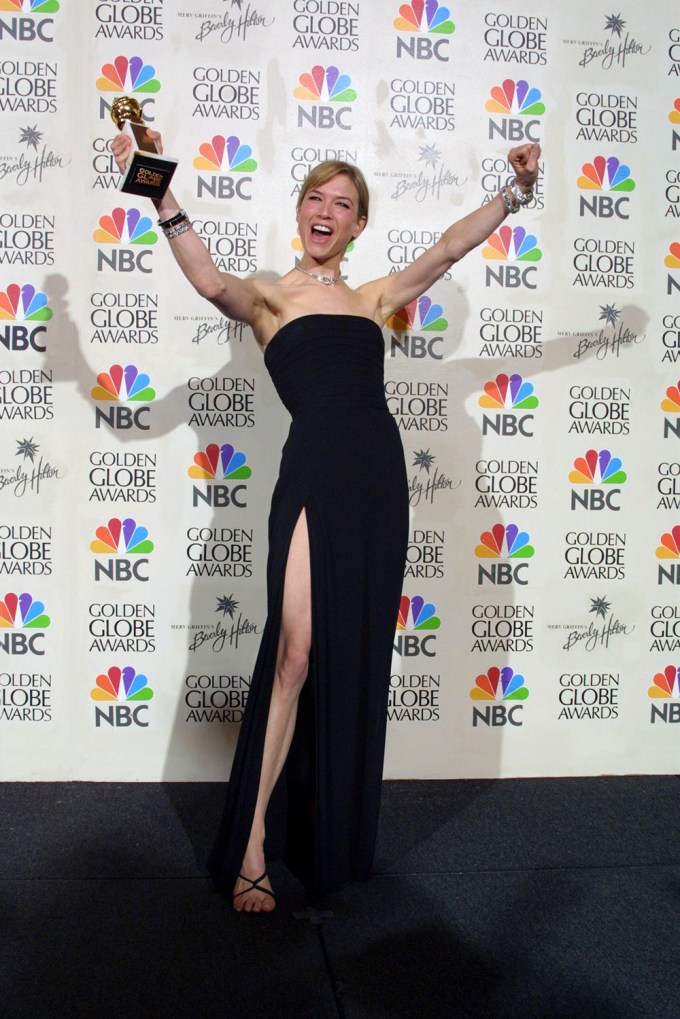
[(524, 161)]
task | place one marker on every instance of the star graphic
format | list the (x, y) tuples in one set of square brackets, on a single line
[(31, 136), (27, 448), (600, 606), (614, 24), (424, 459), (429, 155), (609, 314), (227, 605)]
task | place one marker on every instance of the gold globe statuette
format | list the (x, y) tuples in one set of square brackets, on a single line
[(147, 172)]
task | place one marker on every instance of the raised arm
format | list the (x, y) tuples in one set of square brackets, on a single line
[(394, 291), (235, 298)]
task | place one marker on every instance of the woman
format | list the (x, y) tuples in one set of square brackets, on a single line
[(314, 726)]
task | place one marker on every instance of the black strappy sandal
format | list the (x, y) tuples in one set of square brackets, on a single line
[(255, 885)]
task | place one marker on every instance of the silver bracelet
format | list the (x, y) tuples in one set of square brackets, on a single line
[(177, 229), (521, 197), (509, 200)]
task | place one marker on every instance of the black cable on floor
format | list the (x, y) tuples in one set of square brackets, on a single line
[(317, 917), (336, 984)]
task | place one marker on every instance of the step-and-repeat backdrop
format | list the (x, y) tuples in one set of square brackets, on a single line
[(536, 385)]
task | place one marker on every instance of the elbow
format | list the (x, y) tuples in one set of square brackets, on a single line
[(456, 248), (210, 289)]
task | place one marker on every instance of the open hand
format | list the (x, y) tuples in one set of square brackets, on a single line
[(524, 161)]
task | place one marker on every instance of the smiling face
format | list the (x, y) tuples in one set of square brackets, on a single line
[(329, 217)]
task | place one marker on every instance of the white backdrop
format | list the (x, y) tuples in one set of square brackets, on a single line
[(536, 385)]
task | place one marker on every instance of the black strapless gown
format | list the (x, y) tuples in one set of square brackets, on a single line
[(343, 464)]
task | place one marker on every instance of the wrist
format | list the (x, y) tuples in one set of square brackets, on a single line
[(166, 209), (176, 224), (167, 205), (515, 197)]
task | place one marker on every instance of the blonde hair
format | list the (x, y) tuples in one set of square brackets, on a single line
[(330, 168)]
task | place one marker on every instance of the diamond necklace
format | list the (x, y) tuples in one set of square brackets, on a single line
[(328, 280)]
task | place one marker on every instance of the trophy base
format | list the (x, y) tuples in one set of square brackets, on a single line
[(148, 175)]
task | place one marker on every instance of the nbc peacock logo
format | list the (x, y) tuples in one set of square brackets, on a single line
[(670, 405), (674, 118), (519, 104), (672, 261), (126, 546), (509, 396), (121, 685), (24, 303), (216, 465), (426, 25), (329, 92), (421, 16), (229, 162), (116, 231), (31, 22), (119, 385), (123, 383), (504, 542), (420, 616), (512, 245), (21, 304), (499, 685), (508, 392), (130, 76), (20, 613), (121, 537), (421, 316), (30, 6), (500, 691), (666, 684), (605, 174), (123, 695), (668, 551), (665, 695), (597, 468), (225, 155), (123, 226)]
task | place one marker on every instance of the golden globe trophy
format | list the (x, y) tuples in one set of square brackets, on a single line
[(147, 172)]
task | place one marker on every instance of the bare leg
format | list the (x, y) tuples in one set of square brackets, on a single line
[(292, 663)]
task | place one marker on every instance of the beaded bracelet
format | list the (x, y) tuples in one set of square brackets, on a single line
[(521, 197), (177, 229), (177, 224), (509, 200), (513, 196)]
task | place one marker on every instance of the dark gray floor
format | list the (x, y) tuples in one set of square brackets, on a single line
[(556, 898)]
